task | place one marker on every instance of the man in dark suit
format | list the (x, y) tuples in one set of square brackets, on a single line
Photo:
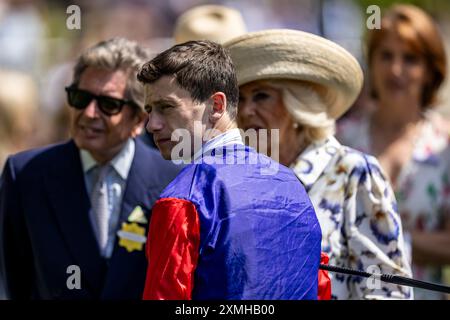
[(74, 216)]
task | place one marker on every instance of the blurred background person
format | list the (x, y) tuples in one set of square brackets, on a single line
[(407, 66), (299, 84), (18, 113), (18, 120), (22, 36)]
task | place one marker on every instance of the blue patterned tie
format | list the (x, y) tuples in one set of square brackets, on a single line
[(99, 201)]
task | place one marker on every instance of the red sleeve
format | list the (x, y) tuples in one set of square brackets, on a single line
[(324, 292), (172, 250)]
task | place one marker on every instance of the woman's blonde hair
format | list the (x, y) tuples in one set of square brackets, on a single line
[(306, 103)]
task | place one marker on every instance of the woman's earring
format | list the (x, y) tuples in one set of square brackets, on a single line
[(295, 125)]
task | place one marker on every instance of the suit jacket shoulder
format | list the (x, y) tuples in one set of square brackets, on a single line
[(34, 160)]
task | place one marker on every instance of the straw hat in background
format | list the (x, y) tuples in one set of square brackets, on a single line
[(209, 22), (296, 55)]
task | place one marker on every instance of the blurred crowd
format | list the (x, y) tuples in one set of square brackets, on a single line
[(37, 48), (37, 52)]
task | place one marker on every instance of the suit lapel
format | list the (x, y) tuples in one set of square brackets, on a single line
[(68, 196), (138, 191)]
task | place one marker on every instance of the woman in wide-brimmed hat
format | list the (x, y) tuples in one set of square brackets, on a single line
[(300, 84)]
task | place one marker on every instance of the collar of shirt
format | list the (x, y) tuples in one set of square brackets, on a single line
[(314, 159), (121, 162), (229, 137)]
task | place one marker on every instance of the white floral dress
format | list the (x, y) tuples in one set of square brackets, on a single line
[(423, 187), (357, 212)]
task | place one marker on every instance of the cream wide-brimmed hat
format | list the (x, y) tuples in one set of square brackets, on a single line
[(209, 22), (298, 55)]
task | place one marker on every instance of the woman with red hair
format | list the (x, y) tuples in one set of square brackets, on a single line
[(407, 65)]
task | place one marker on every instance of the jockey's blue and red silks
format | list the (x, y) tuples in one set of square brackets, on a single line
[(233, 231)]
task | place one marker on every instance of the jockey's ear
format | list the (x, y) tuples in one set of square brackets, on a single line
[(218, 106)]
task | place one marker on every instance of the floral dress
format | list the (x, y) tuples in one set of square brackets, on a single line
[(357, 212), (423, 187)]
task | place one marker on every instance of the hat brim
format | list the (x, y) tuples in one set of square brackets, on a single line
[(297, 55)]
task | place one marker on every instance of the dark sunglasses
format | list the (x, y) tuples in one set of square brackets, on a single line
[(80, 99)]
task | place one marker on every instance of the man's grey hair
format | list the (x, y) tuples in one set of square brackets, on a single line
[(116, 54)]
